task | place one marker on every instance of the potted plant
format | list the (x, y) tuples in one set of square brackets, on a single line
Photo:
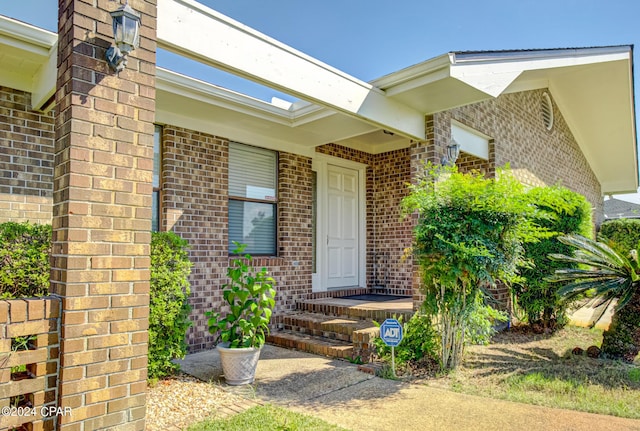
[(243, 330)]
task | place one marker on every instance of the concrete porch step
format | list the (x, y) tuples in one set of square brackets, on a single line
[(378, 311), (312, 344), (322, 325)]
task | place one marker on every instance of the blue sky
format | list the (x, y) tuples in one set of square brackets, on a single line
[(371, 38)]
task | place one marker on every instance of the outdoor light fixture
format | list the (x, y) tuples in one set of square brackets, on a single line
[(126, 36), (453, 151)]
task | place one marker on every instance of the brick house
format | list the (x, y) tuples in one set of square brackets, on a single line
[(313, 187)]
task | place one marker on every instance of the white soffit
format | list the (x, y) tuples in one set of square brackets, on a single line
[(186, 102), (470, 141), (29, 58), (195, 31), (593, 87), (597, 103), (493, 72)]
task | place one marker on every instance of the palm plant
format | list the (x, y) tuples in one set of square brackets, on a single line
[(610, 276)]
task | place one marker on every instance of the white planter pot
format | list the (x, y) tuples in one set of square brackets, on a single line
[(238, 365)]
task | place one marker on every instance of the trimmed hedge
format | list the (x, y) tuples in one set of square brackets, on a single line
[(560, 211), (622, 234), (24, 259)]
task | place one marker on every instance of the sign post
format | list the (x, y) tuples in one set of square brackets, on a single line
[(391, 334)]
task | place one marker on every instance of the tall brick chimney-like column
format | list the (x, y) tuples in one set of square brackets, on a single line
[(102, 217)]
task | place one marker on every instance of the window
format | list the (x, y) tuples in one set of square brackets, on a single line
[(155, 204), (252, 198)]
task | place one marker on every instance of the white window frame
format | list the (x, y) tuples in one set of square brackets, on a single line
[(273, 202)]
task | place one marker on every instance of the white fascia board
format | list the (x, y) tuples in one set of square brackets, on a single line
[(212, 94), (493, 73), (414, 76), (195, 31), (44, 81), (26, 36), (39, 44)]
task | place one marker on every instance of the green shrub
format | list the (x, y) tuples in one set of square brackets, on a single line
[(481, 322), (24, 272), (469, 234), (559, 211), (623, 235), (420, 341), (169, 309), (24, 260)]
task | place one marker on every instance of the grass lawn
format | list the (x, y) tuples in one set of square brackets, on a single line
[(266, 418), (540, 369)]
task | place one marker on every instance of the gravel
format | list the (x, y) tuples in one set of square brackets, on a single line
[(177, 402)]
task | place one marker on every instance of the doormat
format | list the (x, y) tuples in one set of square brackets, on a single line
[(372, 297)]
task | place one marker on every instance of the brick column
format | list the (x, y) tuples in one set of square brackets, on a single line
[(102, 217), (420, 153)]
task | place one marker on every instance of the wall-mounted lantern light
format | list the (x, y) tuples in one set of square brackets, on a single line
[(453, 151), (126, 36)]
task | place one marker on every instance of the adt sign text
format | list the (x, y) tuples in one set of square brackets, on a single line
[(391, 332)]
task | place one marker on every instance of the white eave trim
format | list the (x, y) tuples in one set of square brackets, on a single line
[(410, 75), (26, 36), (493, 72), (192, 88), (212, 94)]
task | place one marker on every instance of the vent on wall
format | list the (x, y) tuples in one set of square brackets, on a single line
[(547, 111)]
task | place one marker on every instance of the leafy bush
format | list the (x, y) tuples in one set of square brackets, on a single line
[(481, 322), (469, 234), (559, 211), (169, 309), (420, 341), (24, 260), (623, 235)]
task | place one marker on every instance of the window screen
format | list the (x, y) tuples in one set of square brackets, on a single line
[(252, 198)]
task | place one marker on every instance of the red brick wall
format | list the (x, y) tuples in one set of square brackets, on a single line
[(295, 193), (38, 385), (391, 235), (195, 206), (537, 156), (387, 236), (26, 159)]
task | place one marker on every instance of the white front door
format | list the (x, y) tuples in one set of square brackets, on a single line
[(343, 227)]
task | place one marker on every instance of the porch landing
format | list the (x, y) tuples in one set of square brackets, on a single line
[(337, 327)]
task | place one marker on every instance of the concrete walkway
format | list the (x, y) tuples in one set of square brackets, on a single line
[(338, 393)]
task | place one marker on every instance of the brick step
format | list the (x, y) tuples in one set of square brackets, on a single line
[(324, 306), (321, 325), (312, 344)]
